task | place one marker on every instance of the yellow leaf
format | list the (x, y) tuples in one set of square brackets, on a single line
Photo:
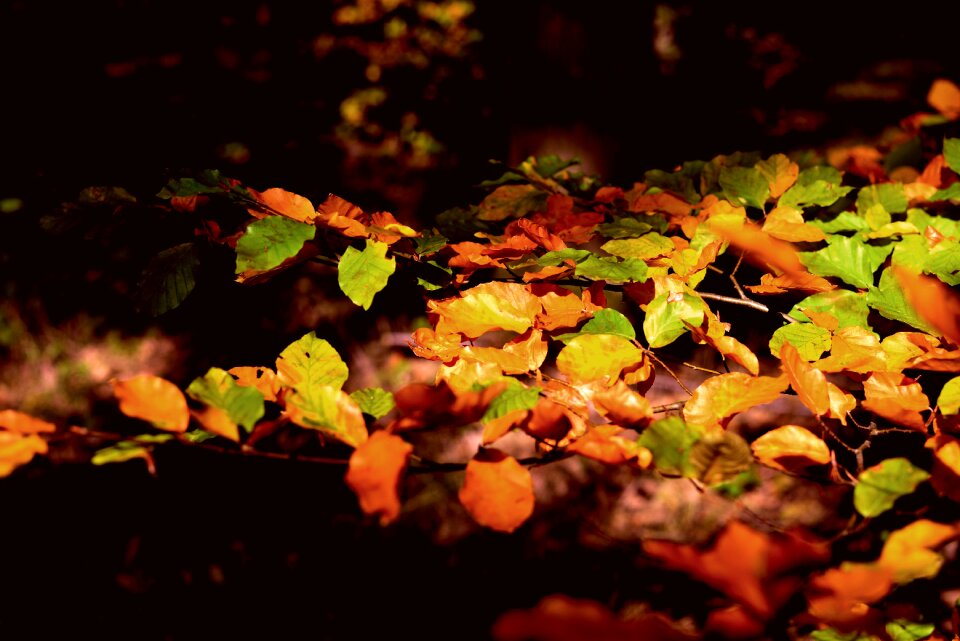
[(497, 491), (463, 375), (819, 395), (602, 443), (509, 306), (786, 223), (153, 399), (374, 474), (622, 405), (853, 349), (24, 423), (524, 354), (597, 357), (780, 172), (790, 448), (216, 421), (18, 449), (329, 410), (263, 379), (720, 397), (897, 398), (908, 553)]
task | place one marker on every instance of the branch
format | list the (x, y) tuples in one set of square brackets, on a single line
[(746, 302)]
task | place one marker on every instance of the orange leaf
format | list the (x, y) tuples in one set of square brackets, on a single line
[(720, 397), (763, 247), (770, 284), (786, 223), (945, 475), (18, 449), (540, 235), (344, 216), (562, 618), (289, 204), (853, 349), (908, 552), (780, 172), (820, 396), (153, 399), (493, 429), (486, 307), (790, 448), (897, 398), (387, 229), (548, 420), (842, 596), (497, 491), (664, 201), (263, 379), (944, 96), (24, 423), (562, 307), (374, 474), (426, 343), (601, 443), (726, 345), (622, 405), (216, 421), (936, 302), (523, 354)]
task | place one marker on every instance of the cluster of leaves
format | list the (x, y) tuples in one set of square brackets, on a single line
[(552, 304)]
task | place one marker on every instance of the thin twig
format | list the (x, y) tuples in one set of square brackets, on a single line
[(669, 407), (746, 302), (669, 371)]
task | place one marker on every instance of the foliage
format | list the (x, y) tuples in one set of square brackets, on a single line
[(551, 318)]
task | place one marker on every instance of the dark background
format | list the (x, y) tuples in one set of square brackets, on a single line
[(129, 93)]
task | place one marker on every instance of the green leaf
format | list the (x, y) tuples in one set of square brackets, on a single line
[(950, 193), (876, 216), (890, 196), (168, 279), (815, 186), (374, 401), (670, 441), (664, 319), (912, 252), (120, 453), (515, 397), (829, 634), (849, 259), (719, 457), (431, 275), (605, 321), (880, 486), (849, 308), (921, 220), (949, 400), (888, 299), (553, 258), (951, 153), (903, 630), (210, 182), (549, 165), (943, 262), (644, 248), (429, 243), (612, 270), (683, 183), (906, 154), (810, 340), (270, 241), (844, 221), (512, 201), (311, 361), (361, 274), (244, 405), (630, 227), (744, 186)]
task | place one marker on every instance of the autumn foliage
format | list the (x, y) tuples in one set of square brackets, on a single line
[(552, 306)]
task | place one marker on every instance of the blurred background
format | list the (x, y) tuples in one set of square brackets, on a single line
[(392, 104)]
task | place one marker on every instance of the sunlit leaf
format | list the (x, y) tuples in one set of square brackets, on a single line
[(311, 361), (497, 491), (720, 397), (903, 630), (268, 243), (934, 302), (605, 321), (486, 307), (217, 422), (889, 195), (880, 486), (374, 474), (949, 399), (515, 397), (374, 401), (790, 448), (849, 308), (549, 420), (944, 96), (153, 399), (361, 274), (667, 317), (815, 186), (809, 340), (908, 553), (745, 186), (263, 379), (819, 395), (590, 357), (622, 405), (842, 596), (244, 405), (120, 453), (786, 223), (849, 259), (326, 409), (780, 173), (670, 441), (24, 423), (612, 269), (289, 204), (896, 398), (18, 449), (603, 443), (426, 343), (645, 247), (890, 300)]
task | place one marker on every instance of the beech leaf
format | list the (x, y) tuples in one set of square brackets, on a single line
[(480, 309), (849, 259), (153, 399), (374, 474), (168, 279), (720, 397), (590, 357), (670, 441), (879, 487), (809, 340), (668, 315), (268, 243), (216, 388), (790, 448), (311, 361), (361, 274), (497, 491), (374, 401)]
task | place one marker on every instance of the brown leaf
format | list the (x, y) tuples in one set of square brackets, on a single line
[(497, 491), (770, 284), (562, 307), (374, 474), (343, 216), (153, 399), (24, 423), (548, 420), (720, 397)]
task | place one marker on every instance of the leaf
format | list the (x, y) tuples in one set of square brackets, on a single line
[(309, 362), (944, 96), (560, 256), (612, 269), (951, 151), (216, 422), (849, 308), (780, 173), (24, 423), (896, 398), (605, 321), (844, 221), (429, 243), (374, 474), (849, 259), (645, 247), (934, 302), (670, 441), (168, 279), (515, 397), (263, 379), (562, 618), (890, 300), (328, 410), (889, 195), (622, 405), (289, 204), (497, 491), (268, 243), (120, 453), (361, 274), (153, 399), (631, 227), (244, 405), (496, 305), (668, 315), (809, 340), (18, 449), (815, 392), (373, 401), (841, 596), (597, 357), (791, 448), (720, 397), (903, 630), (719, 457), (744, 186), (815, 186), (549, 421), (512, 201), (908, 552), (880, 486), (786, 223), (949, 400)]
